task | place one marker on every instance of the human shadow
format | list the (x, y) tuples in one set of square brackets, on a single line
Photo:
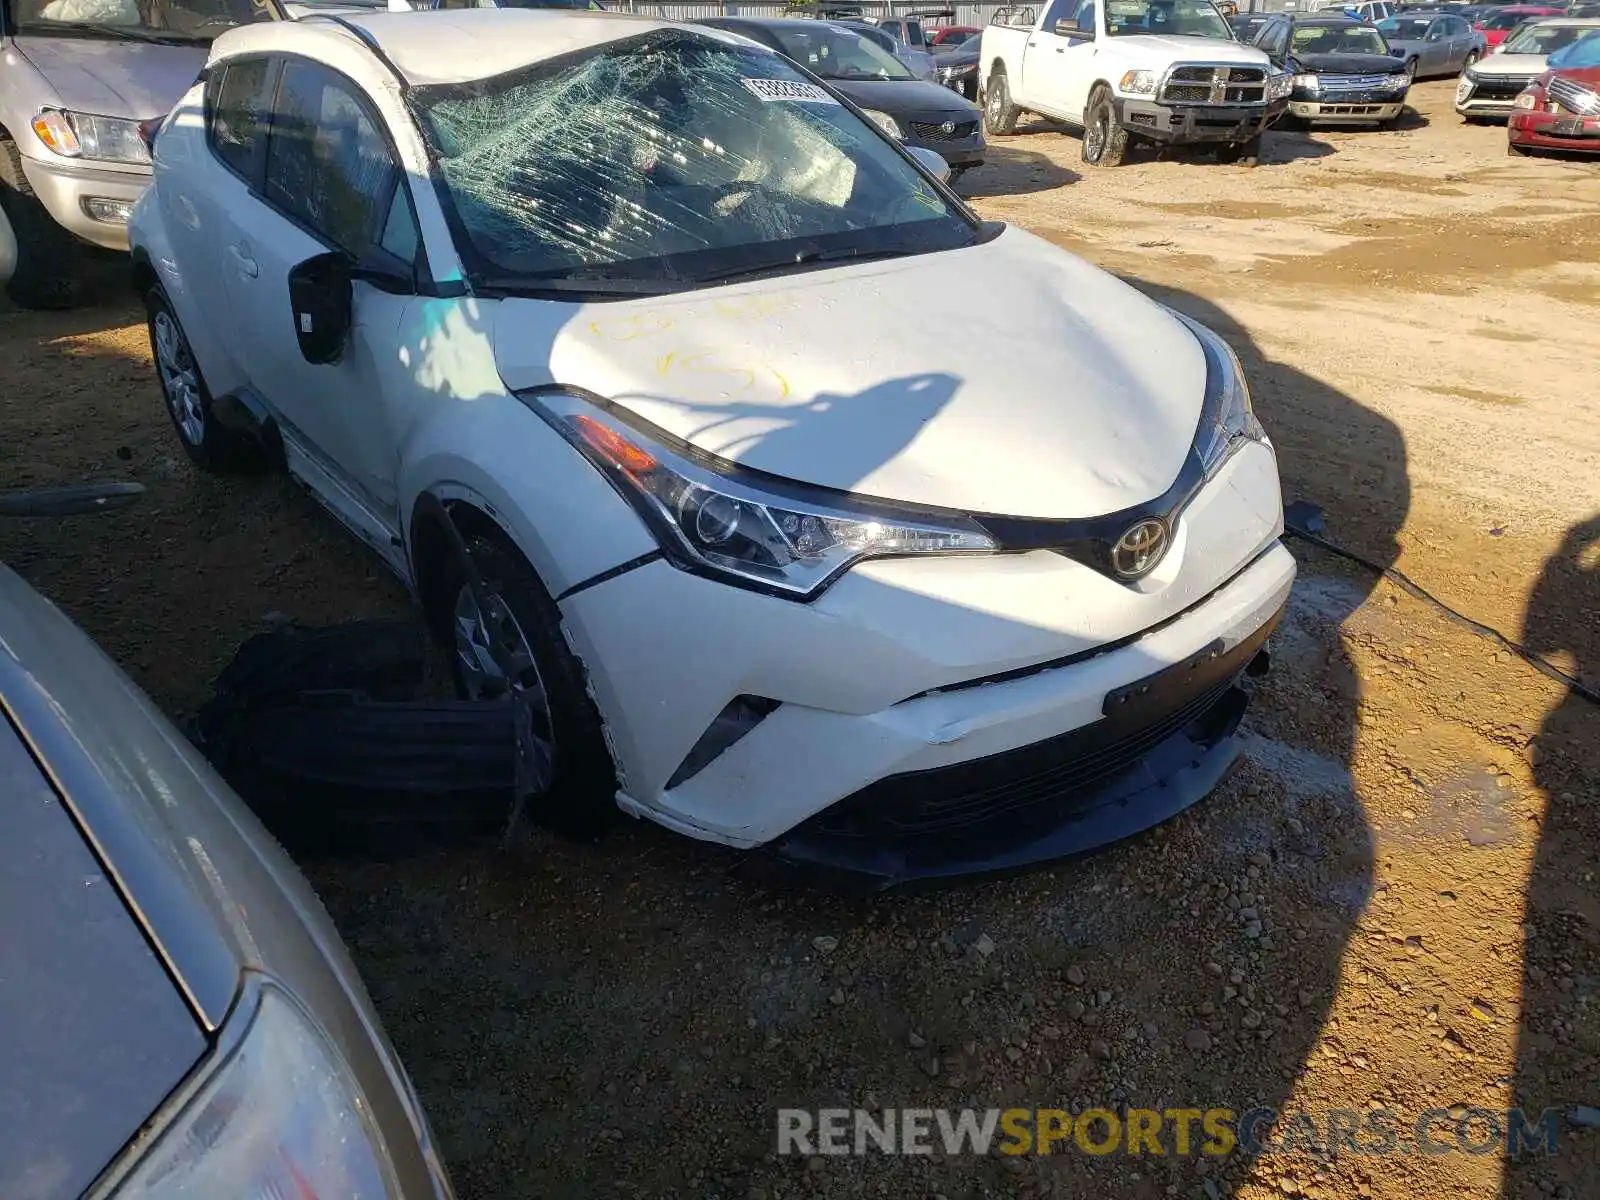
[(1558, 1030)]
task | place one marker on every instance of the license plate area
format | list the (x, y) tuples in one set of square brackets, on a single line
[(1568, 127)]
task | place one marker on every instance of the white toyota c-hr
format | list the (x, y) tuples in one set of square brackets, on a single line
[(624, 304)]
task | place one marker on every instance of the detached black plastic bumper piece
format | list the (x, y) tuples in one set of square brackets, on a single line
[(1163, 744), (1187, 123)]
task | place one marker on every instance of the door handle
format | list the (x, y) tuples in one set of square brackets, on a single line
[(240, 253), (1033, 43), (1061, 49)]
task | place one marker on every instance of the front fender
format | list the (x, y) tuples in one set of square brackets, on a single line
[(497, 454)]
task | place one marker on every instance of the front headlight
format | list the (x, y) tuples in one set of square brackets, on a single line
[(81, 135), (1525, 100), (711, 517), (1308, 83), (1280, 85), (1138, 83), (960, 72), (281, 1117), (883, 121), (1226, 416)]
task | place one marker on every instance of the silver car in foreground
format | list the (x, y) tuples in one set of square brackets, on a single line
[(178, 1016)]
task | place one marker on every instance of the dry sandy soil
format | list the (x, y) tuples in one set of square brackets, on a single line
[(1391, 903)]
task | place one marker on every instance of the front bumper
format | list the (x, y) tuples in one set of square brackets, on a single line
[(1491, 99), (904, 665), (63, 188), (1196, 122), (1537, 130), (1346, 112)]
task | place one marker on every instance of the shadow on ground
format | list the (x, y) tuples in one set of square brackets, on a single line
[(1011, 170)]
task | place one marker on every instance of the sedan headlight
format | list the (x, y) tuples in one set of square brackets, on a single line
[(883, 121), (1226, 416), (1308, 83), (1280, 85), (1138, 83), (281, 1117), (81, 135), (713, 518)]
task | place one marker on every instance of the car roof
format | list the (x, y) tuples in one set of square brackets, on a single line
[(450, 45)]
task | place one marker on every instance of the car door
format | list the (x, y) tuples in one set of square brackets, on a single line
[(330, 181), (1462, 41), (1053, 61), (1436, 48)]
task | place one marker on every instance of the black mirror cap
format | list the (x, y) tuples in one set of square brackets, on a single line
[(319, 297)]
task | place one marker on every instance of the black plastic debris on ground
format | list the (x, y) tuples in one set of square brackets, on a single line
[(324, 733)]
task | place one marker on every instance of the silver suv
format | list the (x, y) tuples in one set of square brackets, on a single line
[(77, 79)]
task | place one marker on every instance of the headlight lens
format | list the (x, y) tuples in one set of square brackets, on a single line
[(883, 121), (1138, 83), (782, 538), (1525, 100), (947, 74), (1226, 416), (81, 135), (1280, 85), (282, 1117), (1308, 83)]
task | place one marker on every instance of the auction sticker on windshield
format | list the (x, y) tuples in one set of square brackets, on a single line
[(788, 89)]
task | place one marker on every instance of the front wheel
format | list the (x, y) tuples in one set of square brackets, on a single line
[(1000, 116), (1244, 153), (512, 649), (1469, 61), (210, 445), (1411, 70), (1105, 142)]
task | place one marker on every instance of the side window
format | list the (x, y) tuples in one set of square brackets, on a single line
[(1086, 15), (236, 105), (327, 164), (1057, 12)]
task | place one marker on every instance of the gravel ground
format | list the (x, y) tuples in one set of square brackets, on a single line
[(1390, 904)]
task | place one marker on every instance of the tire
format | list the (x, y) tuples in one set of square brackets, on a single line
[(210, 446), (1246, 154), (581, 800), (49, 266), (1411, 69), (1000, 116), (1105, 143), (1469, 60)]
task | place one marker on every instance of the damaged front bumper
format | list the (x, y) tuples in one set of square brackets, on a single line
[(1196, 122)]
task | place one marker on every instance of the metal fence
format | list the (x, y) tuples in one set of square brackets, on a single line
[(979, 13)]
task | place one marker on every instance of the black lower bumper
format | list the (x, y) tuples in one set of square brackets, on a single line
[(1162, 745), (1196, 122)]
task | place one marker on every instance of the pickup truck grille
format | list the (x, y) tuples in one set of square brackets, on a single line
[(1574, 97), (1215, 85)]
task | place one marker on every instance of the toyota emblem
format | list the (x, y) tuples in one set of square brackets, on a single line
[(948, 127), (1139, 549)]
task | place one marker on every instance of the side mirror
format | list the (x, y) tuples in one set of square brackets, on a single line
[(930, 161), (319, 299)]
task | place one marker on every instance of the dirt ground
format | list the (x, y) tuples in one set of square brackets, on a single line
[(1390, 905)]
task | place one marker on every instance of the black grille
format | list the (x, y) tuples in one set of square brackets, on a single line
[(1189, 93), (1215, 85), (1049, 780), (930, 131), (1192, 75), (1499, 87)]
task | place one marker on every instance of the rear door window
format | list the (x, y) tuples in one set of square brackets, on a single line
[(236, 115)]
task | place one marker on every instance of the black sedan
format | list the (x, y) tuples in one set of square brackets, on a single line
[(957, 68), (918, 112), (1343, 71)]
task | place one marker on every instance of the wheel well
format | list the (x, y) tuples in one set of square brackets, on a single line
[(144, 275), (433, 550), (998, 67)]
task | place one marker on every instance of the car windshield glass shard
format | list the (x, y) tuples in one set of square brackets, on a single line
[(1191, 18), (668, 157), (131, 20)]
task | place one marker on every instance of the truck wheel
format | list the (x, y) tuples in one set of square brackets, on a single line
[(1000, 116), (47, 273), (1105, 142), (1246, 154)]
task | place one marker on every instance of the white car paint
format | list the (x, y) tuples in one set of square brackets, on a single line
[(1076, 397)]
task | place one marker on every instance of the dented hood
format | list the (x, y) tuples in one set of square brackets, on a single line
[(1008, 377)]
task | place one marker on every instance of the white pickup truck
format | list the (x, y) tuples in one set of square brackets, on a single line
[(1123, 71)]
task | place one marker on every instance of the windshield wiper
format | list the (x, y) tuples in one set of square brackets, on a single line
[(587, 283), (128, 33), (799, 262)]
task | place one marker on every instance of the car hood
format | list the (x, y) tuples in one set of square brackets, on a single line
[(1510, 64), (1073, 395), (93, 1032), (1588, 76), (1349, 64), (1190, 49), (115, 79), (915, 99)]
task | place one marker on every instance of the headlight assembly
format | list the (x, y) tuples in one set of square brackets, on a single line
[(1138, 83), (883, 121), (1226, 416), (1280, 85), (1308, 83), (1525, 101), (713, 518), (82, 135)]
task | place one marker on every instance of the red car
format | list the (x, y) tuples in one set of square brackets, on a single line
[(1496, 24), (950, 35), (1560, 110)]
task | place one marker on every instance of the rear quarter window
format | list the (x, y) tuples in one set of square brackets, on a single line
[(236, 107)]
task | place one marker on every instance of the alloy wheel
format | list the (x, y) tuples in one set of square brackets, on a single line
[(180, 379), (495, 661)]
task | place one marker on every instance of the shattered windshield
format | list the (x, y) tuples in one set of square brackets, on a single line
[(670, 158), (197, 21), (836, 53)]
